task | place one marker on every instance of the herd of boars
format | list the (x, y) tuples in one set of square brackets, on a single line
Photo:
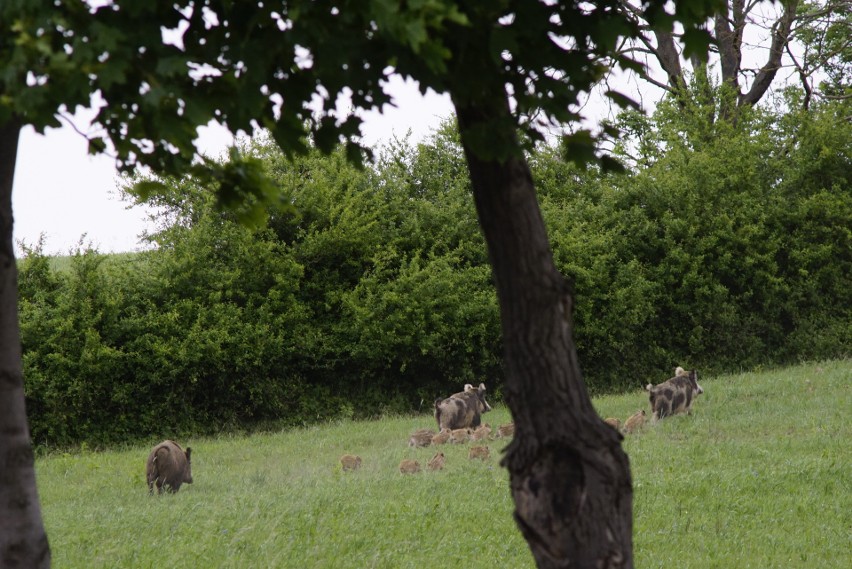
[(459, 420), (671, 397)]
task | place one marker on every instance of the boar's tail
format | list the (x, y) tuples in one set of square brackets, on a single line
[(159, 457)]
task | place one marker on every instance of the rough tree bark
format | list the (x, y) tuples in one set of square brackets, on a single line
[(23, 541), (570, 478)]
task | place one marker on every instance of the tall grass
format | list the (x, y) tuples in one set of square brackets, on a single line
[(757, 476)]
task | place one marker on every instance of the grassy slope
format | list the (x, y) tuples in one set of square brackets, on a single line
[(758, 476)]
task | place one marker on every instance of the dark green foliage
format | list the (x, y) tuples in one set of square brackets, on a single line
[(369, 291), (731, 249)]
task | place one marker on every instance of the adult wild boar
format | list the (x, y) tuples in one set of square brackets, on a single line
[(168, 467), (674, 395), (462, 410)]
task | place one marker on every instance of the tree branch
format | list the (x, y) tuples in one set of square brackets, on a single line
[(803, 77), (780, 37), (729, 50)]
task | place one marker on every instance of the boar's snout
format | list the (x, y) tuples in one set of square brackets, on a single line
[(484, 407)]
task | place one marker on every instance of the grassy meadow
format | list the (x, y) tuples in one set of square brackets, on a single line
[(760, 475)]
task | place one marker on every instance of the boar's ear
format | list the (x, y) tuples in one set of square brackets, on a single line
[(468, 387), (482, 387), (188, 453)]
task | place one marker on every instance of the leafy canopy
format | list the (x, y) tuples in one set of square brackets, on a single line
[(162, 69)]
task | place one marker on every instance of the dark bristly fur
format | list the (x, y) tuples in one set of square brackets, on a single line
[(462, 410), (674, 395), (168, 467)]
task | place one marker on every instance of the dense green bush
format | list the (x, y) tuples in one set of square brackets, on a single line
[(369, 291), (728, 250)]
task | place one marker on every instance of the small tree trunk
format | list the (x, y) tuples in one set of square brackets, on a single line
[(23, 542), (570, 478)]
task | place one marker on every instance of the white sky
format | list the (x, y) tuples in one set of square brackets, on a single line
[(62, 192)]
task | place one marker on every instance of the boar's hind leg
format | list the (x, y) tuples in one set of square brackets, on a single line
[(661, 409), (678, 403)]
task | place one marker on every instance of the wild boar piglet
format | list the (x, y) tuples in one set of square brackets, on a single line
[(421, 438), (436, 462), (350, 462), (442, 437), (634, 422), (478, 452)]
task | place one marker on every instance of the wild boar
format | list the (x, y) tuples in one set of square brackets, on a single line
[(421, 438), (674, 395), (442, 437), (409, 466), (459, 436), (480, 433), (350, 462), (478, 452), (462, 410), (613, 422), (437, 462), (168, 467), (634, 422), (507, 430)]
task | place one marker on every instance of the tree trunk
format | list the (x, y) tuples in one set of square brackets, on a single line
[(23, 541), (570, 478)]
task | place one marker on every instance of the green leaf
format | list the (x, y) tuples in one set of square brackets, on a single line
[(579, 147), (175, 65), (622, 100), (96, 145), (610, 164), (146, 189), (696, 42)]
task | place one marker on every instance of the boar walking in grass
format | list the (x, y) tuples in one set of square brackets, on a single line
[(634, 422), (675, 395), (462, 410), (478, 452), (168, 467), (480, 433), (349, 462), (409, 466), (460, 436), (442, 437), (437, 462), (507, 430), (421, 438)]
